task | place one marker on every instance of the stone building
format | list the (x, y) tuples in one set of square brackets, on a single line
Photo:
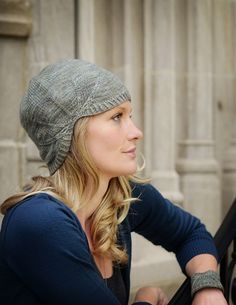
[(177, 57)]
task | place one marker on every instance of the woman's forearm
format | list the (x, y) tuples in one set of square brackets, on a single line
[(201, 263)]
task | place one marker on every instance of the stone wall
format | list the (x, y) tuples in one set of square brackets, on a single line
[(15, 28), (178, 60)]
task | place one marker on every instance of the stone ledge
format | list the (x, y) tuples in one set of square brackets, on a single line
[(207, 166), (162, 266), (18, 26), (169, 287), (15, 18), (160, 270)]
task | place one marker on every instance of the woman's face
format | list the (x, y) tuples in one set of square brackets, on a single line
[(111, 141)]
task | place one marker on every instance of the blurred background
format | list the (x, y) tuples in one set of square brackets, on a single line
[(178, 59)]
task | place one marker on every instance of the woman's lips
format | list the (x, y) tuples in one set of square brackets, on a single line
[(131, 152)]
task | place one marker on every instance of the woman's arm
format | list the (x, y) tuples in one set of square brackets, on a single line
[(168, 225), (201, 264), (165, 224)]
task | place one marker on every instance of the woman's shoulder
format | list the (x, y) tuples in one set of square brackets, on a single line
[(39, 203), (144, 191), (38, 212)]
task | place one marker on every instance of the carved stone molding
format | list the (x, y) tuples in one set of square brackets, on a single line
[(15, 18)]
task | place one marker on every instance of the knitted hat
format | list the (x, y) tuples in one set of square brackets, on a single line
[(61, 94)]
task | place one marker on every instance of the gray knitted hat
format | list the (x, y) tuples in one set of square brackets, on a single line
[(61, 94)]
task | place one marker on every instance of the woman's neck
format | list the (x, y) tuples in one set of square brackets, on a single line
[(84, 214)]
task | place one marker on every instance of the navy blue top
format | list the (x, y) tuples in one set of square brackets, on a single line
[(117, 285), (45, 257)]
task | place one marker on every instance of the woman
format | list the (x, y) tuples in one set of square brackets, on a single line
[(66, 240)]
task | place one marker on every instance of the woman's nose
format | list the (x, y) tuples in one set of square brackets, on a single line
[(135, 132)]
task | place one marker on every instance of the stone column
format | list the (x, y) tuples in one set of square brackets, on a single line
[(95, 29), (229, 157), (133, 56), (15, 26), (85, 30), (197, 164), (160, 107), (153, 265), (223, 61), (118, 41)]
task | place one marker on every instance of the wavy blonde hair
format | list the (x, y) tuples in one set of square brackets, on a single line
[(72, 178)]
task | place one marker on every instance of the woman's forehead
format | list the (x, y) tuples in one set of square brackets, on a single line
[(125, 106)]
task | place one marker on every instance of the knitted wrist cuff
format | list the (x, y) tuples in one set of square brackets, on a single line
[(208, 279)]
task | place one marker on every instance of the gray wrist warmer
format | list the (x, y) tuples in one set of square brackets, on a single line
[(208, 279)]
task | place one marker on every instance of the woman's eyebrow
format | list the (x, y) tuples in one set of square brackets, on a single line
[(123, 108)]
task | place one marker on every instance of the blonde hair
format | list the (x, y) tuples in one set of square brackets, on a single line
[(73, 176)]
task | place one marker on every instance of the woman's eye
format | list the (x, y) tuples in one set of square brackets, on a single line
[(117, 117)]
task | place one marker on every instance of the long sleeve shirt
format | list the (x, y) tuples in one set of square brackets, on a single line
[(45, 257)]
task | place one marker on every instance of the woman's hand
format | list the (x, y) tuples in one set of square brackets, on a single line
[(209, 296), (152, 295)]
